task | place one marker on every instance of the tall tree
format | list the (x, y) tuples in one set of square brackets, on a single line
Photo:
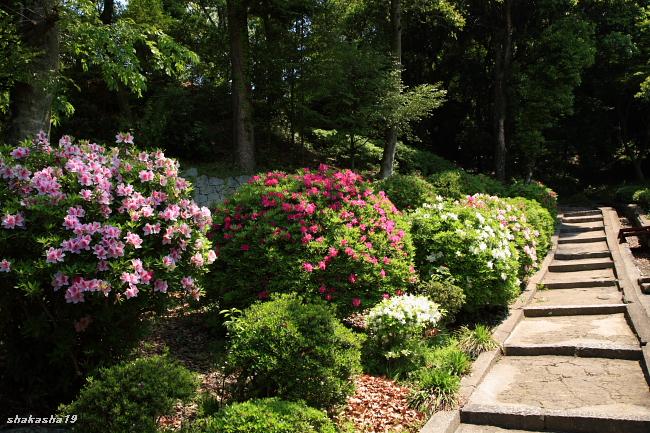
[(502, 66), (242, 107), (31, 97), (388, 157)]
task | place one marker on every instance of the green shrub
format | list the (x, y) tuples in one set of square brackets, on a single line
[(269, 415), (448, 357), (540, 219), (625, 193), (130, 397), (642, 197), (321, 233), (537, 191), (416, 161), (445, 293), (458, 183), (469, 244), (406, 191), (294, 350), (476, 341)]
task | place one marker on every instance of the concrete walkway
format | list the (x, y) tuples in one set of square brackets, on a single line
[(574, 363)]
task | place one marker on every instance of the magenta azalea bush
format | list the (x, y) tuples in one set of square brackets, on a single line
[(90, 238), (323, 233)]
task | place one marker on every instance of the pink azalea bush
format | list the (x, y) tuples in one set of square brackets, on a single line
[(93, 236), (323, 233)]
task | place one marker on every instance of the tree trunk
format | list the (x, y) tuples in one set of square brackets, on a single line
[(31, 100), (108, 12), (242, 107), (390, 146), (503, 58)]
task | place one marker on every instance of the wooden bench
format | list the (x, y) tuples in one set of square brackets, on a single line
[(633, 231)]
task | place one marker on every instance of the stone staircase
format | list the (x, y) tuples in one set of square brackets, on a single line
[(574, 362)]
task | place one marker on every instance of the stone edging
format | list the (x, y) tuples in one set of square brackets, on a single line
[(448, 421)]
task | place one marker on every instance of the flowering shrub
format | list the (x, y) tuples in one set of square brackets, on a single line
[(293, 350), (322, 233), (471, 245), (90, 238), (512, 215)]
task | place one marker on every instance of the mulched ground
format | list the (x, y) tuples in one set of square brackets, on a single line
[(379, 405)]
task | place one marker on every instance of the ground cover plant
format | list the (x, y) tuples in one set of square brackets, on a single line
[(323, 233)]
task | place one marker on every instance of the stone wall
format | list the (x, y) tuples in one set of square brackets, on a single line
[(209, 191)]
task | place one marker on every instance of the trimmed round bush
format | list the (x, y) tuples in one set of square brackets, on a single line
[(537, 191), (268, 415), (459, 183), (130, 397), (472, 246), (411, 160), (293, 350), (445, 293), (91, 238), (321, 233), (407, 191), (642, 197)]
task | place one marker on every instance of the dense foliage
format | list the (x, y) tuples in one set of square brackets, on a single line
[(323, 233), (294, 350), (91, 238), (131, 396), (269, 415), (407, 191)]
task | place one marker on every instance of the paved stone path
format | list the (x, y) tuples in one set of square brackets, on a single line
[(574, 363)]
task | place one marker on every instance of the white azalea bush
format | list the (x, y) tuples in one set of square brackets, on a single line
[(402, 316), (396, 326), (470, 244)]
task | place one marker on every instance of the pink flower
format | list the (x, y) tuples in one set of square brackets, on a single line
[(212, 256), (169, 262), (82, 324), (352, 278), (54, 255), (322, 289), (74, 294), (308, 267), (245, 247), (131, 292), (130, 278), (264, 294), (160, 286), (124, 137), (187, 283), (197, 260), (382, 273), (151, 229), (386, 296), (356, 302), (5, 265), (10, 221), (146, 175), (20, 152), (60, 279), (133, 239)]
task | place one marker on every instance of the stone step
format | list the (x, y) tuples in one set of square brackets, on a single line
[(473, 428), (578, 279), (576, 297), (579, 213), (562, 393), (581, 227), (580, 265), (580, 255), (574, 331), (602, 350), (574, 310), (581, 238), (582, 219)]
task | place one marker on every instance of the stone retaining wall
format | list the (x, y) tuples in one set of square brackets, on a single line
[(209, 191)]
